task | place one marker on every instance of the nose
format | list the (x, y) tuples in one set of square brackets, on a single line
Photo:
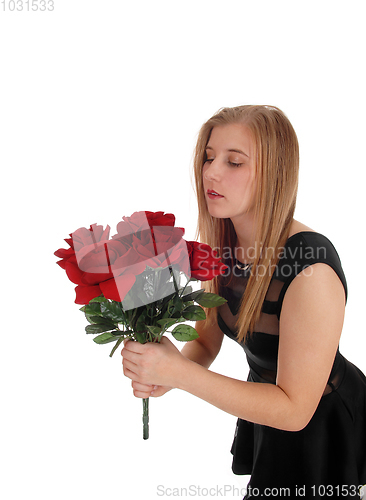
[(211, 171)]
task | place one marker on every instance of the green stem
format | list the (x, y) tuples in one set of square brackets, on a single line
[(185, 286), (117, 344), (172, 273), (175, 283), (145, 417)]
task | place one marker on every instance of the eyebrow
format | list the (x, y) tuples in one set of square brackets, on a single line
[(231, 151)]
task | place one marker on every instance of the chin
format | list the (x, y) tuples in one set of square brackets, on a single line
[(217, 214)]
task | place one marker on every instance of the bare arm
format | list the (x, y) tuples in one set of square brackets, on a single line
[(310, 328), (204, 349)]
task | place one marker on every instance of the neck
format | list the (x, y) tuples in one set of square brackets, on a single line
[(245, 244)]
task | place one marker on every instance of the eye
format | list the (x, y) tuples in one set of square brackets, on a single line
[(234, 164), (208, 160)]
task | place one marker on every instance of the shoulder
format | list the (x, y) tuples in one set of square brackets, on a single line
[(314, 282), (309, 253), (305, 249), (307, 246)]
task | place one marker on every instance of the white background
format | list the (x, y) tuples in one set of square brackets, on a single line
[(100, 105)]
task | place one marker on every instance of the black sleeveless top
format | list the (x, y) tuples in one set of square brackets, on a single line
[(331, 449)]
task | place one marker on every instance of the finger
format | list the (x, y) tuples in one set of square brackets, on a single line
[(156, 393), (126, 340), (143, 387), (129, 369), (134, 346), (143, 390), (131, 356), (130, 374), (142, 394), (159, 391)]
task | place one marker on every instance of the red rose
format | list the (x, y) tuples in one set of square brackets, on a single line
[(160, 219), (170, 246), (80, 240), (151, 236), (204, 263), (161, 248), (140, 221), (99, 265), (89, 264), (155, 247)]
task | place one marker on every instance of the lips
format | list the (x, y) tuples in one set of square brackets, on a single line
[(213, 195)]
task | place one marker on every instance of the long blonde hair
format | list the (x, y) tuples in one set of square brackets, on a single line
[(277, 166)]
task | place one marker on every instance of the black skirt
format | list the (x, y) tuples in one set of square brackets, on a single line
[(325, 459)]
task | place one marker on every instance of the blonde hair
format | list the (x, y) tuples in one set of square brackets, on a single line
[(277, 166)]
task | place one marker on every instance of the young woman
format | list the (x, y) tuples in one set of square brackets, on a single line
[(301, 414)]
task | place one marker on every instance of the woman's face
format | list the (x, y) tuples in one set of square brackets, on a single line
[(229, 172)]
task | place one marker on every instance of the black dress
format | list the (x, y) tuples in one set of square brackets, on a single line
[(327, 457)]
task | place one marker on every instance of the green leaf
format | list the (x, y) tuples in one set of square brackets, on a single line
[(101, 320), (186, 290), (91, 309), (140, 337), (194, 313), (166, 323), (105, 338), (167, 299), (98, 328), (155, 330), (112, 310), (210, 300), (98, 299), (184, 333), (175, 307), (90, 318), (140, 324), (193, 295)]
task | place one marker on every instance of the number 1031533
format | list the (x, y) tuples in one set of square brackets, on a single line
[(27, 5)]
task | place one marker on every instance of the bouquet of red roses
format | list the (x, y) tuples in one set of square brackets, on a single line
[(135, 284)]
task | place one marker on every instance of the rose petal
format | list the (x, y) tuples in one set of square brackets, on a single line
[(95, 278), (84, 294), (64, 253), (73, 273)]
